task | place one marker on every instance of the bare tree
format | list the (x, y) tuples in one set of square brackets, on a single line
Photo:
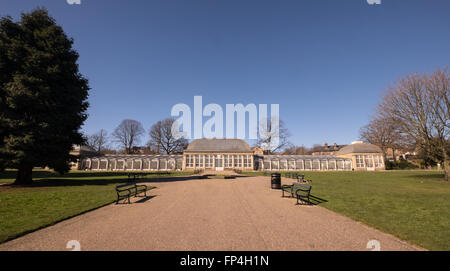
[(302, 150), (296, 150), (290, 150), (384, 133), (163, 141), (272, 141), (315, 148), (128, 134), (419, 105), (98, 141)]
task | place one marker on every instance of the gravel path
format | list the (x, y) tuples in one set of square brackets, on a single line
[(217, 214)]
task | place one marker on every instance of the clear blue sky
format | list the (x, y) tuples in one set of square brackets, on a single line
[(326, 62)]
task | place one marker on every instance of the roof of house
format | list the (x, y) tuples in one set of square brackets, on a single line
[(359, 148), (218, 145)]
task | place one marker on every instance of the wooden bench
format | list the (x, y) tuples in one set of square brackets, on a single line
[(298, 190), (125, 191)]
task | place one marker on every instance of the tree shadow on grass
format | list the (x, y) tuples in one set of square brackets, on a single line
[(56, 182), (437, 176), (11, 174), (66, 182), (110, 174)]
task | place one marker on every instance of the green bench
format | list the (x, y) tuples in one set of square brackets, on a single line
[(298, 190), (125, 191)]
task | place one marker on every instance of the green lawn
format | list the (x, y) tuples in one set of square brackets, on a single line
[(55, 198), (412, 205)]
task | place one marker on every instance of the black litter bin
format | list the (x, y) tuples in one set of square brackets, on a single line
[(275, 180)]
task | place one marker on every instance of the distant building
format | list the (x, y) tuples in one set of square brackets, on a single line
[(327, 149), (400, 154)]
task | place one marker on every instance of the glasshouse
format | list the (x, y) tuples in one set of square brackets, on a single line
[(133, 162), (231, 154), (303, 162)]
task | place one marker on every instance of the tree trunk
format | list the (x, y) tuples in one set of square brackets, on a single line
[(384, 155), (447, 170), (446, 166), (24, 174)]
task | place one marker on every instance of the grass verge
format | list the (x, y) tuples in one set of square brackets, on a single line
[(412, 205), (54, 198)]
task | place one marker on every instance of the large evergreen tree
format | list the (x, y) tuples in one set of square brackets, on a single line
[(42, 95)]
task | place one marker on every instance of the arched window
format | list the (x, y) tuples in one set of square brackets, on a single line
[(308, 164), (103, 164), (146, 164), (331, 164), (179, 164), (283, 164), (266, 164), (162, 164), (171, 164), (129, 164), (291, 165), (323, 165), (154, 164), (95, 164), (120, 164), (340, 164), (137, 164), (300, 164), (316, 164)]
